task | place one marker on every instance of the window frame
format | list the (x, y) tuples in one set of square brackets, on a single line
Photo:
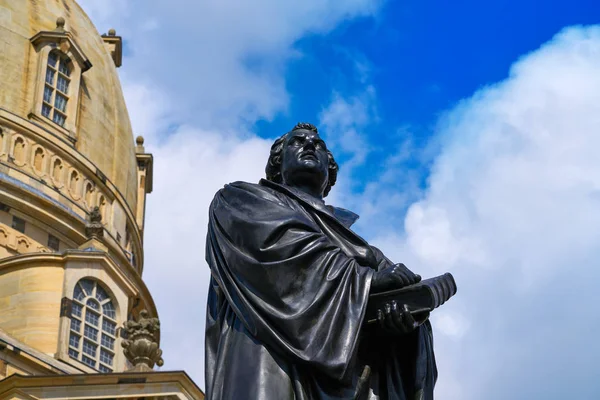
[(61, 61), (44, 43), (51, 240), (81, 327), (18, 221)]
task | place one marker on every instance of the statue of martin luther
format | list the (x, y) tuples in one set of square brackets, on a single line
[(290, 283)]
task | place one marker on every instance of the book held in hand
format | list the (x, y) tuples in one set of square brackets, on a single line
[(424, 296)]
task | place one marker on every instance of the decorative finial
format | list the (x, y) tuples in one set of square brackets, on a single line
[(60, 24), (139, 140), (94, 228), (112, 32), (141, 345)]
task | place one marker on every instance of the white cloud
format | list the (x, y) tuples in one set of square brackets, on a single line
[(101, 11), (344, 121), (221, 62), (513, 210)]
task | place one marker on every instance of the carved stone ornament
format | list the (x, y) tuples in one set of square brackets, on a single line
[(141, 346), (94, 228)]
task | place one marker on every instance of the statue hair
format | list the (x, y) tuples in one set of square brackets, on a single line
[(273, 168)]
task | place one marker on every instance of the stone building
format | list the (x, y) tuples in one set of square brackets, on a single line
[(73, 188)]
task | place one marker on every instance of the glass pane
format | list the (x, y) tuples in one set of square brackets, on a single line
[(102, 368), (92, 318), (50, 76), (60, 103), (90, 333), (53, 242), (74, 340), (63, 67), (87, 285), (75, 325), (76, 310), (101, 294), (88, 361), (108, 342), (93, 304), (106, 357), (73, 353), (46, 111), (109, 310), (52, 59), (48, 94), (58, 118), (62, 84), (109, 327), (78, 293), (89, 348)]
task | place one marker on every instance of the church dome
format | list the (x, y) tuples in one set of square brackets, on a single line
[(73, 187), (98, 127)]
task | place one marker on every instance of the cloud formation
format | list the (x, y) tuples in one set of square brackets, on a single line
[(222, 63), (512, 208)]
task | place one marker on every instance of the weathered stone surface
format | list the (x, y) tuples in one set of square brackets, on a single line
[(104, 133)]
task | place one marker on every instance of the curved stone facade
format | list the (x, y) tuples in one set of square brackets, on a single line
[(72, 192), (102, 132), (65, 135), (36, 291)]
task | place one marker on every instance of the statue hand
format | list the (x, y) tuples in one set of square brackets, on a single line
[(394, 277), (395, 320)]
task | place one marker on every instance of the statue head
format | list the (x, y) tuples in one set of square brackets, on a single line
[(301, 159), (95, 215)]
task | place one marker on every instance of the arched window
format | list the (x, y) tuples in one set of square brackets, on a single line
[(93, 326), (56, 89)]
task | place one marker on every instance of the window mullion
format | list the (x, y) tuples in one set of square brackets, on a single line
[(97, 345)]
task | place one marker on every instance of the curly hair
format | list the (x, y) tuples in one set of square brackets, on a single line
[(273, 168)]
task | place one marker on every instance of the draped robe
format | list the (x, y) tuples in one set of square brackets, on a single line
[(288, 292)]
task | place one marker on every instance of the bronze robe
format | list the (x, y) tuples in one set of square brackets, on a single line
[(289, 288)]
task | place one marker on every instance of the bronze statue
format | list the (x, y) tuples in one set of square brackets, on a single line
[(290, 288)]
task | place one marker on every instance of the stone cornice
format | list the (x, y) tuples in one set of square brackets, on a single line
[(60, 146), (130, 281), (30, 358), (148, 161), (113, 384), (63, 39), (18, 242), (115, 47)]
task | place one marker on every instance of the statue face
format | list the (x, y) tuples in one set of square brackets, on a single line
[(304, 161)]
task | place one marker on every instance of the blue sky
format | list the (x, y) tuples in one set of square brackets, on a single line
[(468, 137), (424, 56), (421, 58)]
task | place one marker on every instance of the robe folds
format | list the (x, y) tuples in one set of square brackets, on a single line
[(288, 293)]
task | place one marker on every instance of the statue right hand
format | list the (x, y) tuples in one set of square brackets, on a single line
[(395, 277)]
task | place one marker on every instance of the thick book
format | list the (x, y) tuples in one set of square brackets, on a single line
[(424, 296)]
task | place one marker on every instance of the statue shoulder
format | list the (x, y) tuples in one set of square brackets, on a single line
[(247, 193), (247, 187)]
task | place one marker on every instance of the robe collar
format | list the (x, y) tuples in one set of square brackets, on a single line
[(345, 217)]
